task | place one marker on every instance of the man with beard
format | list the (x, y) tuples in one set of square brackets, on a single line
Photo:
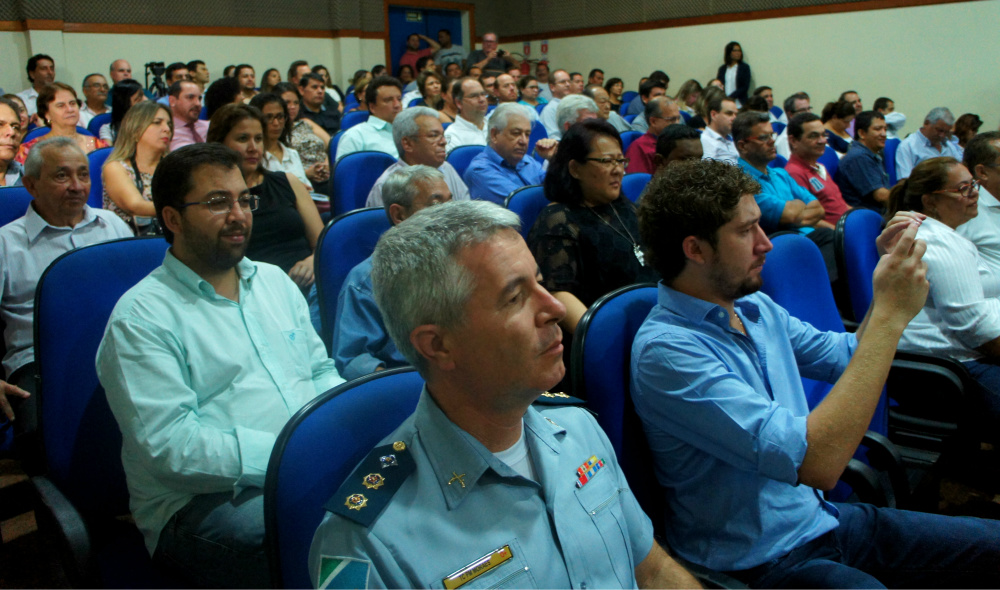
[(717, 380), (203, 363), (185, 106)]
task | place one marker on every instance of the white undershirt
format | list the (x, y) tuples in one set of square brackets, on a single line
[(518, 458), (731, 81)]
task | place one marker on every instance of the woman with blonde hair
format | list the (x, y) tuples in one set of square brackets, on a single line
[(143, 140)]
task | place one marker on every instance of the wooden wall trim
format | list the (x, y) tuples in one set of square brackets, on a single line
[(730, 17), (58, 25)]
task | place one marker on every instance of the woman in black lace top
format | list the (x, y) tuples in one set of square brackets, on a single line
[(586, 242)]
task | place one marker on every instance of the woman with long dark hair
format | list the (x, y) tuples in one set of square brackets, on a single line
[(735, 74), (124, 95)]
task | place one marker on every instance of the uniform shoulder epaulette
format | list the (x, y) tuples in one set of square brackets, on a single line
[(550, 398), (367, 491)]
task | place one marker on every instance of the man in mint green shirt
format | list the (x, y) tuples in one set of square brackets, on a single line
[(203, 362)]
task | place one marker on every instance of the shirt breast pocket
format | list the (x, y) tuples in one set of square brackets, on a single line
[(296, 344), (503, 567), (601, 499)]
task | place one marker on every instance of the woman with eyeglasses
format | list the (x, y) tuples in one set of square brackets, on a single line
[(528, 85), (286, 224), (961, 319), (22, 114), (586, 241), (278, 156), (128, 173)]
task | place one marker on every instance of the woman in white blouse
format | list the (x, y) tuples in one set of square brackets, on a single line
[(278, 157), (961, 319)]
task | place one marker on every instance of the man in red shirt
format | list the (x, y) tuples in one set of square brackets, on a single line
[(413, 51), (807, 141), (661, 112)]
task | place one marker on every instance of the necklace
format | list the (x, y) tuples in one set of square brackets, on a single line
[(636, 249)]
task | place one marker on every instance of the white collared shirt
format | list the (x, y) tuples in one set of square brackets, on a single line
[(463, 132), (962, 310), (29, 97), (87, 114), (983, 230), (716, 147), (291, 163)]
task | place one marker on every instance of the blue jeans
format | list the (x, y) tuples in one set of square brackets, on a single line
[(217, 541), (886, 548)]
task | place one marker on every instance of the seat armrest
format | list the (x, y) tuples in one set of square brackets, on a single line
[(58, 518), (885, 457), (866, 484)]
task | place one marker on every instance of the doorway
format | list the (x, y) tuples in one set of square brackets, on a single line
[(404, 21)]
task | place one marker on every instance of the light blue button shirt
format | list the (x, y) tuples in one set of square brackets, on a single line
[(27, 247), (490, 178), (374, 135), (201, 385), (360, 341), (725, 416), (561, 535), (916, 148)]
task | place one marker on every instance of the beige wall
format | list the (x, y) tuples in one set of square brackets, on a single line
[(79, 54), (921, 57)]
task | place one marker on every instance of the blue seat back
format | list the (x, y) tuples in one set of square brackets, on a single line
[(857, 255), (40, 131), (889, 158), (541, 107), (600, 371), (462, 156), (345, 242), (830, 160), (779, 161), (334, 142), (203, 115), (350, 101), (630, 118), (628, 137), (627, 97), (537, 132), (527, 202), (97, 122), (778, 127), (14, 203), (353, 178), (415, 101), (795, 278), (74, 300), (686, 116), (633, 185), (353, 118), (97, 158), (316, 451)]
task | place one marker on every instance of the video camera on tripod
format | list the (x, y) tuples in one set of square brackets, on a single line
[(158, 87)]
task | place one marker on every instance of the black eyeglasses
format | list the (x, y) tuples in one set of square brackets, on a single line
[(220, 206), (611, 162)]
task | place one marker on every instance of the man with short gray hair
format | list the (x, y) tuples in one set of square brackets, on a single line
[(604, 111), (57, 175), (361, 344), (459, 291), (573, 109), (930, 141), (419, 139), (505, 165)]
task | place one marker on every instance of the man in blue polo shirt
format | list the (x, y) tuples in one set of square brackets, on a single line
[(784, 205), (505, 166), (861, 176), (717, 380)]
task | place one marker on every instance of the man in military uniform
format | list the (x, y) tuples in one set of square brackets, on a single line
[(477, 488)]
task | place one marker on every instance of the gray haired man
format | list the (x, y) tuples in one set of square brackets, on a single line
[(361, 344), (419, 139), (573, 109), (505, 165), (485, 486), (930, 141)]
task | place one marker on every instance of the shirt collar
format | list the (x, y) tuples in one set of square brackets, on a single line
[(245, 268), (379, 123), (34, 224), (460, 120), (987, 199), (698, 310), (492, 155), (814, 166), (859, 145), (753, 172), (457, 457), (713, 134)]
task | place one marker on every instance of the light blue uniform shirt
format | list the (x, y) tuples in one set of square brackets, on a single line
[(561, 536), (201, 385), (725, 416), (374, 135), (777, 188), (360, 341), (490, 178), (916, 148)]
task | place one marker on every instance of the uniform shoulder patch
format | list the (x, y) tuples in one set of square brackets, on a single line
[(550, 398), (367, 491), (343, 572)]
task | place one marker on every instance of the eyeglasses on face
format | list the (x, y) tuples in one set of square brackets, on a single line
[(223, 205), (964, 190), (609, 162)]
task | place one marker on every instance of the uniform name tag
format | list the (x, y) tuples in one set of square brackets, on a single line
[(478, 568)]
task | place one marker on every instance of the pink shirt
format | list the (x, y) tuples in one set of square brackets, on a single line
[(815, 179), (185, 135), (410, 59)]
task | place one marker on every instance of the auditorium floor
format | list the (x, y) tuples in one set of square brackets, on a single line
[(28, 559)]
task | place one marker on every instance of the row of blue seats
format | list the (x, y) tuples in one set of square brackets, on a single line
[(84, 489)]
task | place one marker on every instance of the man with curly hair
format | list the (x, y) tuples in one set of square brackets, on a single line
[(717, 378)]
